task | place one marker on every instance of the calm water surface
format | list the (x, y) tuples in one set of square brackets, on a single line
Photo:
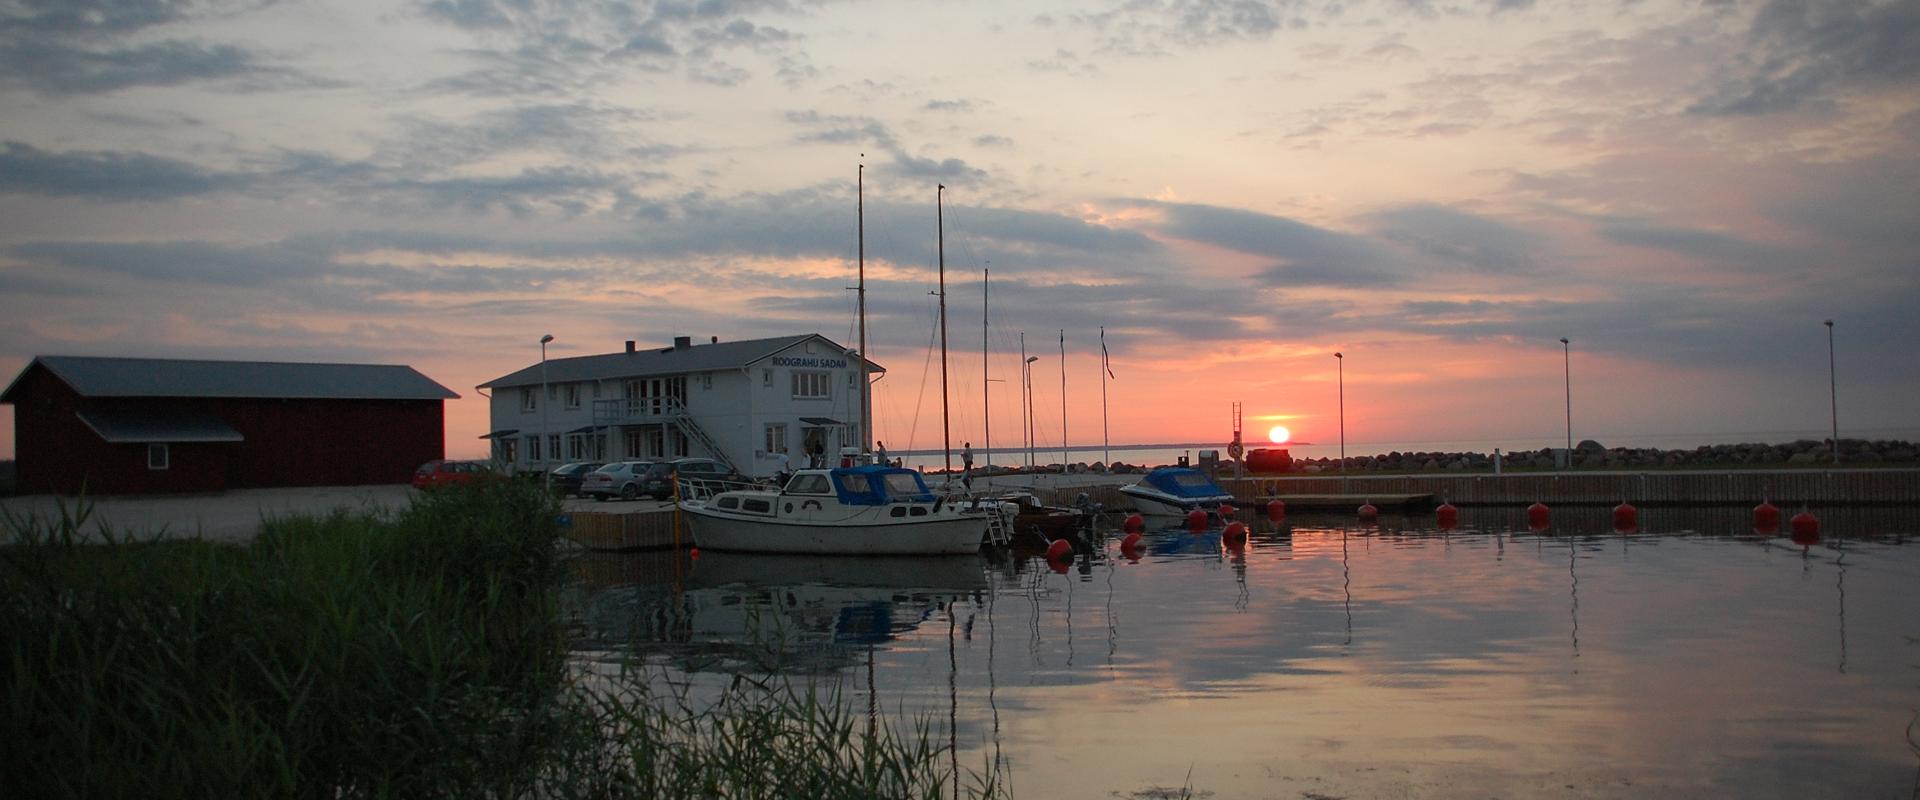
[(1327, 659)]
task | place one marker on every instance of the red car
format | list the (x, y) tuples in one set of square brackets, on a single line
[(442, 472)]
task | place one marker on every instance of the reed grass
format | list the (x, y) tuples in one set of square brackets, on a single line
[(418, 654)]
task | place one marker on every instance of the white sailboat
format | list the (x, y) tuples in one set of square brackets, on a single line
[(856, 510)]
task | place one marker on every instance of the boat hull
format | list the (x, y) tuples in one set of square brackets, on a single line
[(944, 535), (1154, 504)]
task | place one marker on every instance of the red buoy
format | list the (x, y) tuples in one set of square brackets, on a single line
[(1368, 512), (1134, 524), (693, 554), (1226, 511), (1626, 518), (1196, 520), (1235, 530), (1766, 519), (1538, 517), (1060, 549), (1806, 529), (1446, 516), (1130, 546), (1276, 510)]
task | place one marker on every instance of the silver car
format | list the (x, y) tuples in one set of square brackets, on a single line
[(621, 478)]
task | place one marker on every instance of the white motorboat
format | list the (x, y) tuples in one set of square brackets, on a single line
[(1176, 492), (861, 510)]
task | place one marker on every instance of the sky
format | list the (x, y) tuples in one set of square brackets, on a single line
[(1235, 190)]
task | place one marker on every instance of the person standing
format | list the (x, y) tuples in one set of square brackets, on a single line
[(880, 453), (966, 464), (782, 467)]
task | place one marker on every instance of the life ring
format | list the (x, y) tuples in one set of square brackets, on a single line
[(1235, 450)]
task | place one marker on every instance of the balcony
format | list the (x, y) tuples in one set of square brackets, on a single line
[(636, 411)]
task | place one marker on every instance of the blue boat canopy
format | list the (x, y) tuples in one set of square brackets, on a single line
[(878, 486), (1184, 482)]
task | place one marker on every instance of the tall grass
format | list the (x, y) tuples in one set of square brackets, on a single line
[(362, 655)]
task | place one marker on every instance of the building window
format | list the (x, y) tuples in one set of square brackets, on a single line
[(571, 392), (529, 399), (553, 445), (533, 449), (776, 438), (812, 385), (158, 457), (509, 450), (766, 378), (706, 380), (578, 447)]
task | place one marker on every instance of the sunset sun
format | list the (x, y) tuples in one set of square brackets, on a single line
[(1279, 434)]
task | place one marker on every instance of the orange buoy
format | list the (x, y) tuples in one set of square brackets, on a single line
[(1196, 520), (1226, 511), (1060, 549), (1538, 517), (1367, 511), (1806, 529), (1235, 530), (1626, 518), (1766, 519), (1134, 524), (1446, 516), (1276, 510)]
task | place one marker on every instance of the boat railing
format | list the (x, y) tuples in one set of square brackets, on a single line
[(703, 489)]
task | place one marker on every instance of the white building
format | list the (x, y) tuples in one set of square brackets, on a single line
[(739, 402)]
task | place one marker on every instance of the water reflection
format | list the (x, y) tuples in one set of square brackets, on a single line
[(1347, 660)]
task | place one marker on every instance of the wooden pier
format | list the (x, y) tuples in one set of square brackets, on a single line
[(638, 530)]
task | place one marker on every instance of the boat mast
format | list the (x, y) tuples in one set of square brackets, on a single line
[(866, 387), (940, 243), (986, 377), (1063, 401), (1106, 371), (1026, 397)]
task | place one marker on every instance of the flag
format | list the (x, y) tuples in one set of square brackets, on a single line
[(1106, 361)]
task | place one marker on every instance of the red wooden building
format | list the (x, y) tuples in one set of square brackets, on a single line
[(143, 425)]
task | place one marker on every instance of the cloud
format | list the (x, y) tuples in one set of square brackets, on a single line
[(1805, 51), (1455, 237), (1704, 245), (111, 176), (960, 105), (1302, 254)]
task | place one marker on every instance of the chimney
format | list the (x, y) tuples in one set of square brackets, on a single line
[(629, 347), (716, 340), (682, 342)]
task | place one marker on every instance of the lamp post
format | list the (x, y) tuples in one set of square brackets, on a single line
[(1340, 364), (545, 473), (1833, 393), (1566, 355), (1027, 380)]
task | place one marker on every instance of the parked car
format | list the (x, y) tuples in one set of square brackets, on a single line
[(446, 472), (620, 478), (567, 478), (659, 480)]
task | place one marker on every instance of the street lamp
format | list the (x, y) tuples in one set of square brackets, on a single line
[(1833, 393), (1027, 382), (1340, 364), (1566, 355), (546, 473)]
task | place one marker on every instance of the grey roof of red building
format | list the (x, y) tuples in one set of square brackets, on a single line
[(92, 376)]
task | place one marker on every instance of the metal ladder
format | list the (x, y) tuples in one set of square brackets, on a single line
[(999, 532)]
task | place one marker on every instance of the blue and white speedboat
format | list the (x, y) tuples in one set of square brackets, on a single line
[(864, 510), (1176, 492)]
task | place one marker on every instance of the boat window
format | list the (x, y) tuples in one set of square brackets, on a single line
[(1193, 480), (729, 502), (757, 505), (919, 511), (809, 484), (903, 484), (855, 483), (899, 511)]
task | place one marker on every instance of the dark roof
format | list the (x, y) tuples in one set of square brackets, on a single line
[(645, 362), (158, 428), (166, 377)]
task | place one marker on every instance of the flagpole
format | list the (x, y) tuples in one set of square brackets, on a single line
[(1106, 371), (1064, 457)]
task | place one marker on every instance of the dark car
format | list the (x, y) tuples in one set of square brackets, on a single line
[(658, 482), (618, 479), (567, 478), (444, 472)]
